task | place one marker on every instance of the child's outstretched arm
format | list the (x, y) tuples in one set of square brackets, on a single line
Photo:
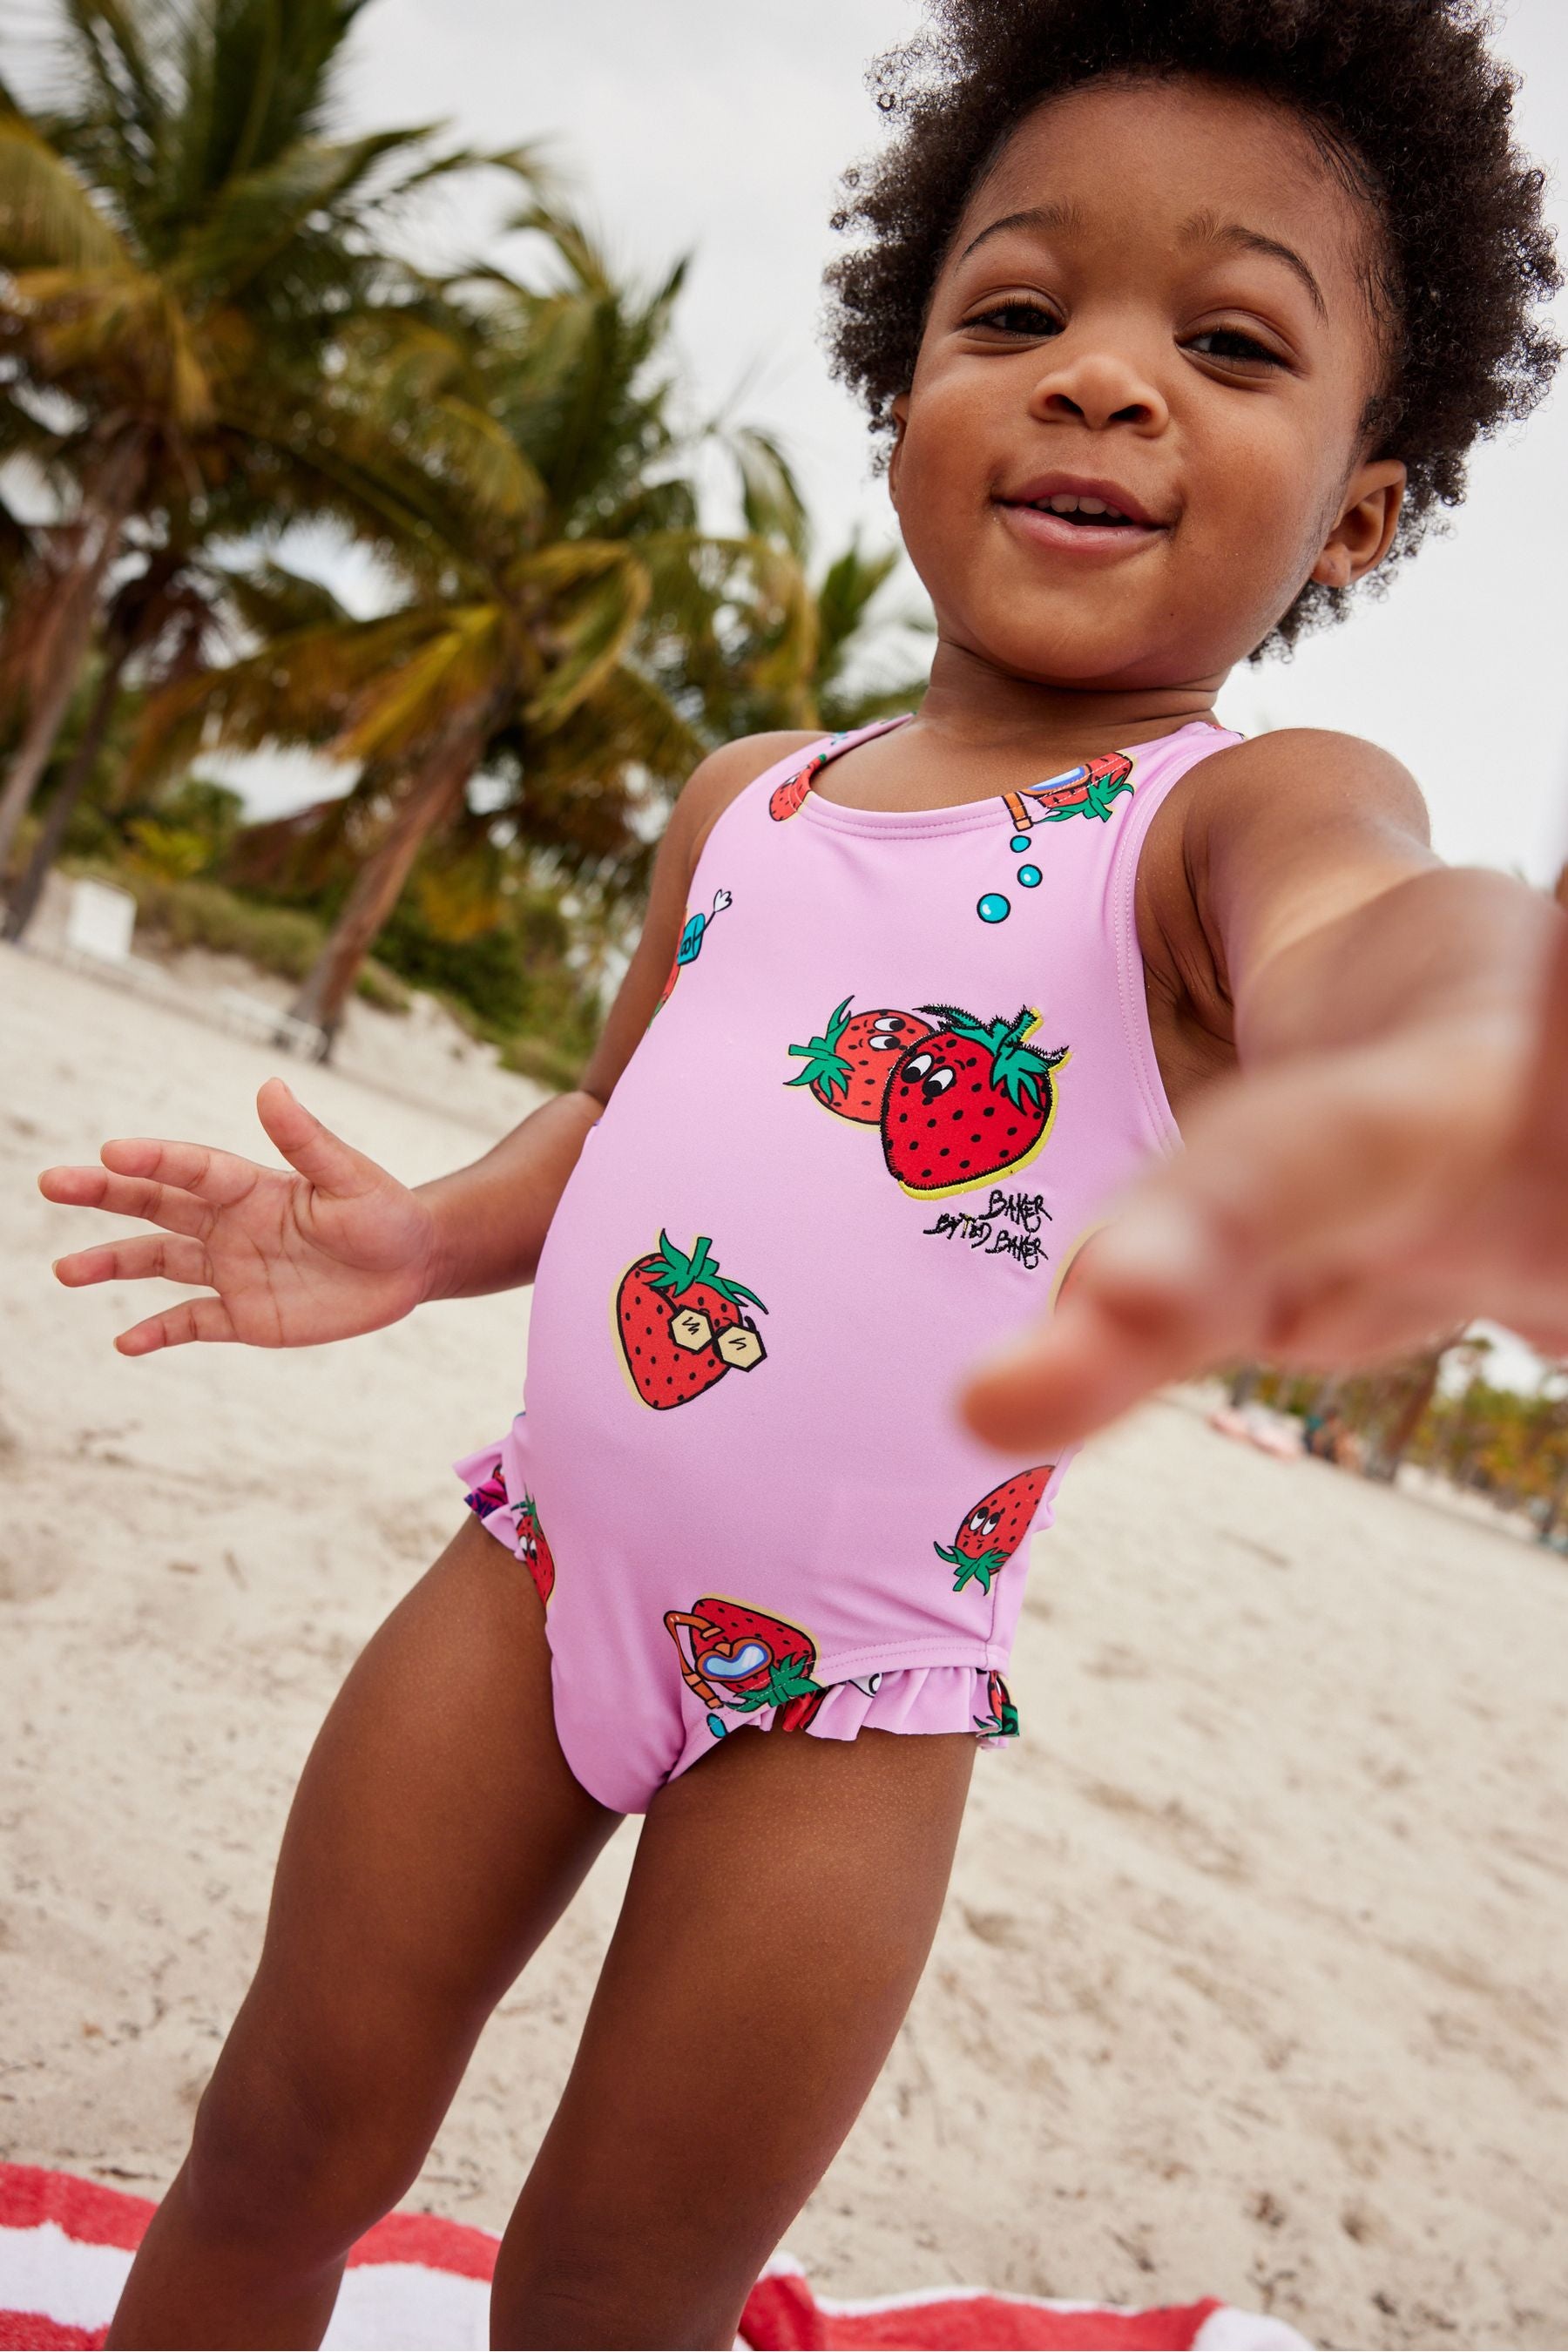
[(1393, 1159), (334, 1245)]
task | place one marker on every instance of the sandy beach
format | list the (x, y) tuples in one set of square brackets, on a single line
[(1252, 1981)]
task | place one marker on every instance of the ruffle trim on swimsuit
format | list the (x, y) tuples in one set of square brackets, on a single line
[(514, 1524), (908, 1699)]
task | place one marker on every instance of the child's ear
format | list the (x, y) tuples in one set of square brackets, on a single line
[(1364, 532), (898, 410)]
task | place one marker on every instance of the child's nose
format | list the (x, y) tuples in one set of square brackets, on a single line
[(1098, 388)]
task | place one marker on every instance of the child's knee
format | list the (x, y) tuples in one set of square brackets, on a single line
[(275, 2157), (601, 2288)]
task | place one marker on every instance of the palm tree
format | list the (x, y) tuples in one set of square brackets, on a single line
[(518, 472), (182, 243)]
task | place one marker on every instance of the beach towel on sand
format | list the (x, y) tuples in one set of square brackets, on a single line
[(414, 2281)]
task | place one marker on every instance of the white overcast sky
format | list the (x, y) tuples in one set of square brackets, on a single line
[(702, 126)]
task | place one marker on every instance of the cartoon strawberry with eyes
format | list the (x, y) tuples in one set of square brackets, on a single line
[(532, 1549), (993, 1530), (849, 1065), (969, 1101), (682, 1325)]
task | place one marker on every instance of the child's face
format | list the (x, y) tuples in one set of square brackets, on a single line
[(1120, 316)]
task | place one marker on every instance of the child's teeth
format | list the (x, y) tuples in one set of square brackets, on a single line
[(1066, 504)]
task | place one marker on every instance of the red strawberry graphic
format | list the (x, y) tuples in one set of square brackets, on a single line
[(681, 1323), (740, 1658), (787, 798), (849, 1067), (1001, 1723), (994, 1526), (532, 1549), (993, 1530), (1088, 791), (968, 1101)]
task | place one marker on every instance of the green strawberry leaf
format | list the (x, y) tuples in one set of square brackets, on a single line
[(791, 1678), (672, 1271), (826, 1065), (979, 1571)]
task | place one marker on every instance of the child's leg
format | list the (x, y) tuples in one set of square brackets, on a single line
[(435, 1837), (781, 1907)]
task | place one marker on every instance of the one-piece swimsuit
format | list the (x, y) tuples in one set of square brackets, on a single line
[(901, 1064)]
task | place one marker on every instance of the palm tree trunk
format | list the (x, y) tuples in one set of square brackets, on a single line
[(431, 797), (1393, 1449), (105, 511), (24, 899)]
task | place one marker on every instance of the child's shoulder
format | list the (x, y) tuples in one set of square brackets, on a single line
[(724, 775), (1292, 782)]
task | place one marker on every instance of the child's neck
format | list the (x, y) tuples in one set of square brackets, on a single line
[(980, 713)]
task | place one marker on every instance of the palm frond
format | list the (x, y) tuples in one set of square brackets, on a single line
[(47, 218)]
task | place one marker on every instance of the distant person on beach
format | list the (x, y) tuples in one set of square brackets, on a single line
[(1178, 323)]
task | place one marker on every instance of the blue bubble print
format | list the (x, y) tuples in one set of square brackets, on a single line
[(1028, 875), (994, 908), (1019, 841)]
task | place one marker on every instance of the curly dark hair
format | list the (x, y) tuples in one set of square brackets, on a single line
[(1404, 102)]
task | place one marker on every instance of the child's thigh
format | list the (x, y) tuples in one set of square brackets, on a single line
[(436, 1836), (781, 1908)]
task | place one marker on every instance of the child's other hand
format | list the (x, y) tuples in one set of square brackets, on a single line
[(286, 1257), (1327, 1212)]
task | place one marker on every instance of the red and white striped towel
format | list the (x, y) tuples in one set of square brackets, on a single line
[(424, 2284)]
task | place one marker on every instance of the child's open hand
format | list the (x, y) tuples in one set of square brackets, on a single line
[(1327, 1212), (287, 1259)]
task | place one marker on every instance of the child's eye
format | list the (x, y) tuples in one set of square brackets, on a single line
[(1019, 319), (1232, 348)]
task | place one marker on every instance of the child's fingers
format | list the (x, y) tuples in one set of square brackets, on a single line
[(323, 1158), (220, 1178), (1290, 1182), (1125, 1327), (178, 1212), (195, 1318), (169, 1259)]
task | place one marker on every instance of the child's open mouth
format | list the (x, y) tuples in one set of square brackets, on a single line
[(1085, 522)]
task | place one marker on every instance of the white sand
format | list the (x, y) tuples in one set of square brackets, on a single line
[(1252, 1977)]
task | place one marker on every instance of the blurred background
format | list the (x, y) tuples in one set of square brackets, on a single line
[(415, 452)]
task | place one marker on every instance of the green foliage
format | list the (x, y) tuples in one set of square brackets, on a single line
[(185, 913)]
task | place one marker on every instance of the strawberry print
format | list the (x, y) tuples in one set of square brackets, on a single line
[(682, 1325), (532, 1549), (1086, 791), (1001, 1723), (969, 1101), (787, 798), (847, 1067), (740, 1658), (990, 1533), (690, 945)]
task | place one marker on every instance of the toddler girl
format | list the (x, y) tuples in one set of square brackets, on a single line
[(1178, 322)]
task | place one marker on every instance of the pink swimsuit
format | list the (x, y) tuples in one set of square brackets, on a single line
[(902, 1061)]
